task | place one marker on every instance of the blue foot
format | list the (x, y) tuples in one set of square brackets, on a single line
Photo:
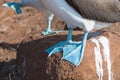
[(72, 51), (62, 46), (75, 56), (48, 32), (16, 6)]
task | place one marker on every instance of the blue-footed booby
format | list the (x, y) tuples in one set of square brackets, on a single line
[(37, 5), (86, 14)]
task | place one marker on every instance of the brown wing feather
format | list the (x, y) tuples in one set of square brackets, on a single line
[(100, 10)]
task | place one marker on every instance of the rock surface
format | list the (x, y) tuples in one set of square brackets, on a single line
[(34, 63), (20, 36), (13, 29)]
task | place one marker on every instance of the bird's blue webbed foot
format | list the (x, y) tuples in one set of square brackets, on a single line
[(61, 45), (72, 50), (66, 46), (75, 56), (16, 6)]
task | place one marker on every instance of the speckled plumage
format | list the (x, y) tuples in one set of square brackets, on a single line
[(100, 10)]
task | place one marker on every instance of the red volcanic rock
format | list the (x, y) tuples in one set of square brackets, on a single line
[(34, 63), (13, 29)]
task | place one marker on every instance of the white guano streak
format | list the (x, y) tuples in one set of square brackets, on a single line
[(98, 59), (106, 51), (98, 56)]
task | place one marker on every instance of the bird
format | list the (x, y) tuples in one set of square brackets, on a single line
[(86, 14), (16, 6)]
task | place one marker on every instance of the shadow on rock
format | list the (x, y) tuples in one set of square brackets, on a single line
[(9, 70), (8, 46), (34, 63)]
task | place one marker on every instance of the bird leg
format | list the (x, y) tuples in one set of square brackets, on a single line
[(75, 56), (72, 50), (48, 30)]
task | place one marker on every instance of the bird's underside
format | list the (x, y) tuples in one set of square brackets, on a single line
[(100, 10)]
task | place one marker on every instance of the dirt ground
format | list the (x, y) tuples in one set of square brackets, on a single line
[(15, 29)]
